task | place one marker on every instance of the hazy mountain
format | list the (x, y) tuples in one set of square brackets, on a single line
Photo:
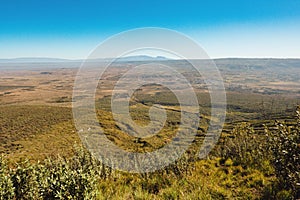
[(58, 60), (33, 60), (141, 58), (233, 64)]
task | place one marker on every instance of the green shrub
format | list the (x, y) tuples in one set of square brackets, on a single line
[(273, 191), (74, 178), (25, 181), (61, 178), (244, 147), (284, 143), (6, 185)]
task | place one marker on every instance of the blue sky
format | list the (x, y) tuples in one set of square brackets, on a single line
[(72, 29)]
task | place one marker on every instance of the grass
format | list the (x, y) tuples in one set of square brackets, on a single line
[(203, 179), (25, 131), (206, 179), (38, 132)]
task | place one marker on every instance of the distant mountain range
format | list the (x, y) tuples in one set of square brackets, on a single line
[(33, 60), (140, 58), (239, 64), (57, 60)]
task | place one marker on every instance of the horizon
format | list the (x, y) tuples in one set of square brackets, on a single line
[(150, 56)]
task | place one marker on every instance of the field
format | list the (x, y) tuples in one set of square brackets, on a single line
[(36, 124)]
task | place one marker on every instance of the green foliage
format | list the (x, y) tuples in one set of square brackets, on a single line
[(82, 177), (73, 178), (6, 184), (274, 191), (243, 171), (278, 152), (25, 181), (244, 147), (284, 143)]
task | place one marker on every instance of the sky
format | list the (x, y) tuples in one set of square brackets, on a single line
[(72, 29)]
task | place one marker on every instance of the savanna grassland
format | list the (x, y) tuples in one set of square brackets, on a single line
[(257, 156)]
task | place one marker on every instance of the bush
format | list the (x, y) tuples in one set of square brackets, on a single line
[(77, 177), (25, 181), (61, 178), (244, 147), (284, 143), (6, 185)]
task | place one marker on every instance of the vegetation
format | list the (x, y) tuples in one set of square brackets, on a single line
[(82, 177), (257, 156), (36, 131), (246, 165), (62, 178), (284, 144), (245, 147)]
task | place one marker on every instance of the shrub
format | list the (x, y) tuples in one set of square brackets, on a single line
[(25, 181), (284, 143), (6, 185), (61, 178), (244, 147)]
